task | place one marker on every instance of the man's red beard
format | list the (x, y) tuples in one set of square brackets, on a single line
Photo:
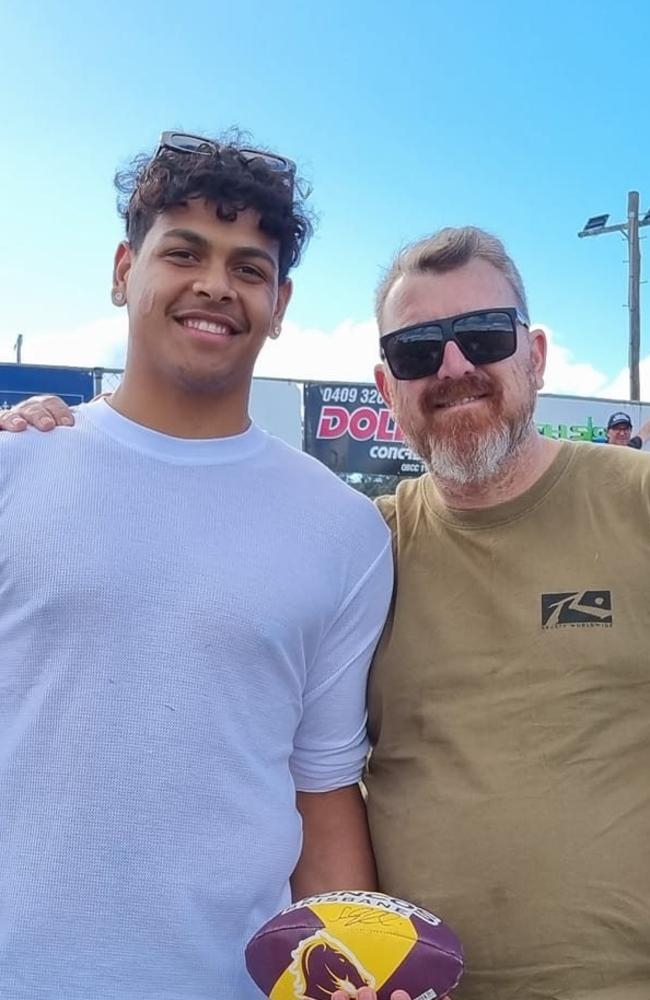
[(466, 441), (461, 423)]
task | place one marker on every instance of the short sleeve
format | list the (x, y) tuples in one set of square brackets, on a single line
[(635, 442), (331, 743)]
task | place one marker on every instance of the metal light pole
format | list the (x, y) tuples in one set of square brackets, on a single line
[(596, 226), (18, 348), (634, 291)]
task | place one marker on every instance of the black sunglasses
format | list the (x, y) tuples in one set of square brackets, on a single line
[(182, 142), (484, 336)]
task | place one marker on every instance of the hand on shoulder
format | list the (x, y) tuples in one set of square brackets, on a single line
[(44, 413)]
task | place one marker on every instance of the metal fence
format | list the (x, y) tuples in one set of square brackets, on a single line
[(107, 379)]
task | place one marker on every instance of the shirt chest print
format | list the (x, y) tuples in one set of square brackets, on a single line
[(577, 609)]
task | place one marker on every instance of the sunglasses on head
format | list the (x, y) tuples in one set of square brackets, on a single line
[(484, 336), (182, 142)]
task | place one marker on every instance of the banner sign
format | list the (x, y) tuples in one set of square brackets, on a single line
[(584, 418), (74, 385), (350, 429)]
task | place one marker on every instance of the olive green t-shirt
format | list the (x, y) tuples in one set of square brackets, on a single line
[(509, 785)]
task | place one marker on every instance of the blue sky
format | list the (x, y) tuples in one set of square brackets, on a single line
[(523, 118)]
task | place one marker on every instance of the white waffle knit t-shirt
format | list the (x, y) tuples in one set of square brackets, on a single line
[(185, 633)]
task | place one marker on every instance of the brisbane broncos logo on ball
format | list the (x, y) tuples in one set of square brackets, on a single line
[(322, 965)]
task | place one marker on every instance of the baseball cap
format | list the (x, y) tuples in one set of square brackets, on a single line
[(618, 418)]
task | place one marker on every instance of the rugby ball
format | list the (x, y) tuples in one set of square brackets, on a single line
[(346, 940)]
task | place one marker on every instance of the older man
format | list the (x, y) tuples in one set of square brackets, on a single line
[(510, 697)]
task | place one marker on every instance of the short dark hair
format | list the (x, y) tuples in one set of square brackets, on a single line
[(223, 177)]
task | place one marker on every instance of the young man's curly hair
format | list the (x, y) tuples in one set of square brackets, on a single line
[(225, 178)]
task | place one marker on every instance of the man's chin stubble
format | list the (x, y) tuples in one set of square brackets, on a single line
[(478, 464), (475, 449), (472, 456)]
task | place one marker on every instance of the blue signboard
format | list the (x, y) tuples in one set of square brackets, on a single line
[(74, 385)]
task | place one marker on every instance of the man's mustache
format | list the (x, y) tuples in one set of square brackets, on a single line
[(441, 393)]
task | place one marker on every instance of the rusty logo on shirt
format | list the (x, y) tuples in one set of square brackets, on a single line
[(577, 609)]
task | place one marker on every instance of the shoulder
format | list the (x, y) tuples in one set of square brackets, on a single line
[(307, 484), (22, 445), (34, 449), (30, 436), (611, 471), (601, 459), (406, 501), (16, 447)]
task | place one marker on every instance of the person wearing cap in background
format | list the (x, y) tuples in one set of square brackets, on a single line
[(619, 431)]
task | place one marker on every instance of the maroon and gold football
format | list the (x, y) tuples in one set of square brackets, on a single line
[(346, 940)]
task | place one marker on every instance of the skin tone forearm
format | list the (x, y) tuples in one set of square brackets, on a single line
[(336, 850), (337, 854)]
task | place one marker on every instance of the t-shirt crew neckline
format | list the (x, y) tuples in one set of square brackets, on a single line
[(179, 451), (489, 517)]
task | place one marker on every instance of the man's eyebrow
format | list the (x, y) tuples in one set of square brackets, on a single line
[(256, 252), (200, 242), (189, 236)]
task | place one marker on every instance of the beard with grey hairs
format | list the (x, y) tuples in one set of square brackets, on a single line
[(466, 449)]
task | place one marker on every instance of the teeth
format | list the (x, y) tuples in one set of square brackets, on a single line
[(459, 402), (220, 329)]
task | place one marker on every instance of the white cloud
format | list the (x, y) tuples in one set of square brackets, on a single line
[(566, 376), (347, 353), (619, 387), (101, 343)]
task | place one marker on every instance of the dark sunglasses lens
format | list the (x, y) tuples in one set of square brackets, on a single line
[(189, 143), (273, 162), (285, 168), (415, 354), (486, 337)]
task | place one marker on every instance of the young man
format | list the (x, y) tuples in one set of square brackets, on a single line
[(188, 612), (510, 696)]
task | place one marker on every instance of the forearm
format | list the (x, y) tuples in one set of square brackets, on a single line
[(336, 844)]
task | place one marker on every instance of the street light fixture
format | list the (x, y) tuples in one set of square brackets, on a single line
[(595, 222), (596, 226)]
